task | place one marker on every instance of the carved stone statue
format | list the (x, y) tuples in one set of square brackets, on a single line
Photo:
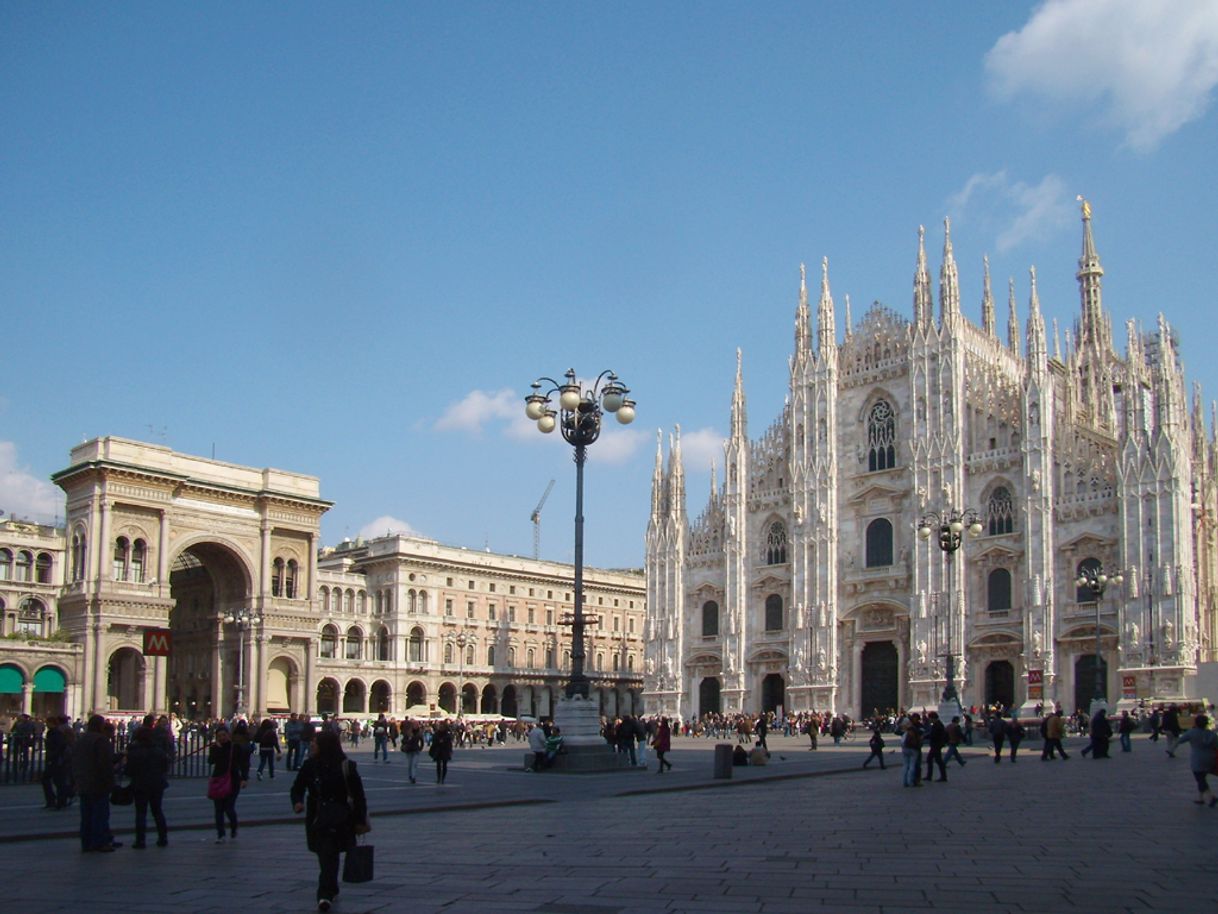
[(921, 651)]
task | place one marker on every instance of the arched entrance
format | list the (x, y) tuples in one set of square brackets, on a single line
[(708, 696), (448, 698), (125, 680), (207, 581), (381, 694), (1085, 680), (880, 687), (773, 689), (353, 697), (508, 706), (490, 700), (1000, 684), (327, 697), (12, 689), (280, 676), (469, 698), (50, 688), (416, 694)]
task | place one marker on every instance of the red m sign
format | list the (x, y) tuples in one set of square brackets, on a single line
[(158, 642)]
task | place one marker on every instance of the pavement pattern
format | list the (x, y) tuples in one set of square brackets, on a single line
[(809, 832)]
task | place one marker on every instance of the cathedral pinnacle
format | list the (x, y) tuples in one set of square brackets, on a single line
[(803, 331), (949, 279), (923, 304), (1036, 324), (987, 300), (1012, 318), (824, 313), (739, 417)]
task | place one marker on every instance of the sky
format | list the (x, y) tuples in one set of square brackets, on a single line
[(342, 239)]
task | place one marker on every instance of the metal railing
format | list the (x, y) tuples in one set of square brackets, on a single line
[(24, 758)]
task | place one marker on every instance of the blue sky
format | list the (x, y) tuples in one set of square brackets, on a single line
[(343, 239)]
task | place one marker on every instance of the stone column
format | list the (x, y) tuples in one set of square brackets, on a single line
[(218, 703), (856, 677), (96, 647), (310, 686), (902, 672), (263, 590), (27, 698), (257, 671)]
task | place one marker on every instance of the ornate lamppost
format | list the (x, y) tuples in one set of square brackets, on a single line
[(579, 417), (464, 637), (1095, 580), (950, 526), (245, 620)]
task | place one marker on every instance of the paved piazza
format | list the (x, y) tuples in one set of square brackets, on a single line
[(811, 832)]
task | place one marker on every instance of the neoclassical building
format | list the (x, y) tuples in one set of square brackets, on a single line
[(803, 583), (193, 585)]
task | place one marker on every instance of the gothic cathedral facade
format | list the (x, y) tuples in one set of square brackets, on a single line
[(803, 584)]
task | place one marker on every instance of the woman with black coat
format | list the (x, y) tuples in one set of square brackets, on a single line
[(441, 750), (228, 757), (329, 791), (147, 766)]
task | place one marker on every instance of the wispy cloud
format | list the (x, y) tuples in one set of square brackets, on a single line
[(1013, 210), (617, 445), (1145, 67), (385, 525), (478, 408), (701, 448), (24, 495)]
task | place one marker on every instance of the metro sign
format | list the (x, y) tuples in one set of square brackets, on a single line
[(158, 642)]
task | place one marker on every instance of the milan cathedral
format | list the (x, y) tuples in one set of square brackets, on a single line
[(803, 582)]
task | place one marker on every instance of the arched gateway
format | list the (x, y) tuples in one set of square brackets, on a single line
[(167, 542)]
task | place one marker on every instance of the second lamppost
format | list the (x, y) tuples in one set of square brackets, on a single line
[(245, 620), (1095, 580), (950, 527), (579, 415)]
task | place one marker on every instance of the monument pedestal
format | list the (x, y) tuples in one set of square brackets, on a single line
[(584, 748)]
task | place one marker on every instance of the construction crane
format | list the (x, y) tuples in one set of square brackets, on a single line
[(535, 517)]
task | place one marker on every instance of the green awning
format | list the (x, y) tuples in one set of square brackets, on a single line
[(49, 679), (11, 681)]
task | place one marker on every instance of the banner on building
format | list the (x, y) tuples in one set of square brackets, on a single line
[(1036, 681), (158, 642), (1129, 686)]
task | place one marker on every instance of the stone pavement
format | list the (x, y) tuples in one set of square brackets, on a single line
[(810, 833)]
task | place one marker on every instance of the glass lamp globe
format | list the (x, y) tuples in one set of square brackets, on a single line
[(570, 397), (924, 532), (534, 407), (625, 412), (546, 423)]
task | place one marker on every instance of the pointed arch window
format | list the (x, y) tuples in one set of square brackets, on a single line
[(881, 437), (879, 543), (1000, 512), (490, 655), (776, 544), (710, 619), (139, 558), (78, 556)]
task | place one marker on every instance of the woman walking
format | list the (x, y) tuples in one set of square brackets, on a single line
[(1203, 745), (231, 761), (441, 750), (662, 744), (329, 791), (147, 766), (268, 746), (412, 745)]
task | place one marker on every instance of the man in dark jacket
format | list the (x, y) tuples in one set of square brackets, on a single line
[(93, 771), (57, 747), (148, 767), (936, 738)]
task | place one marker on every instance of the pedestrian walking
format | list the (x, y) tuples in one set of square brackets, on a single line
[(955, 736), (412, 746), (148, 767), (1101, 733), (441, 750), (1055, 730), (380, 739), (93, 772), (998, 733), (1125, 729), (662, 744), (911, 751), (1015, 735), (1171, 727), (268, 747), (936, 739), (876, 743), (1203, 747), (230, 771), (329, 791)]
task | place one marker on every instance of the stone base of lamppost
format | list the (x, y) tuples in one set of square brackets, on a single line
[(584, 748), (949, 709), (1096, 705)]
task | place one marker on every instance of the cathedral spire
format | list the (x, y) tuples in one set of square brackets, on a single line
[(803, 333), (1094, 333), (739, 415), (676, 475), (824, 314), (949, 280), (987, 301), (1012, 318), (849, 326), (657, 478), (923, 303), (1036, 325)]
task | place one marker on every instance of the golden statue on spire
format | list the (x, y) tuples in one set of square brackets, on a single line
[(1086, 206)]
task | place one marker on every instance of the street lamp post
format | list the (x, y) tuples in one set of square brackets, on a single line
[(579, 417), (245, 620), (1095, 580), (463, 638), (950, 525)]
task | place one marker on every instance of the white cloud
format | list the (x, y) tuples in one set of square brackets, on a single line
[(24, 495), (1148, 67), (616, 445), (384, 525), (701, 448), (479, 407), (1014, 210)]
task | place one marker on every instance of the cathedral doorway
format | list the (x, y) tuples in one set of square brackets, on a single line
[(880, 686), (708, 696), (1000, 684), (1084, 680), (772, 693), (206, 582)]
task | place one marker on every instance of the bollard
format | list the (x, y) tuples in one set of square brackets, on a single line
[(723, 760)]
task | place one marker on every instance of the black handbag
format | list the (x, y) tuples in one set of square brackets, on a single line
[(121, 795), (357, 867)]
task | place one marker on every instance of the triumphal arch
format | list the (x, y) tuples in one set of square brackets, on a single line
[(167, 550)]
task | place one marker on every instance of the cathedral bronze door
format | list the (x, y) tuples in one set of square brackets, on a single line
[(772, 693), (880, 687), (1000, 684), (1085, 681), (708, 696)]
